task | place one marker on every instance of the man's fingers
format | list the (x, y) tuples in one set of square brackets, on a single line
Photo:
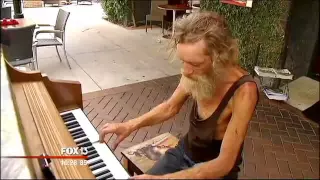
[(104, 131), (117, 141)]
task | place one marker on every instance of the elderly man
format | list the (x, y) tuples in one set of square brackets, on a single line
[(224, 97)]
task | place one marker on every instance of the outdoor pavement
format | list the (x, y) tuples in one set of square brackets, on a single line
[(102, 55)]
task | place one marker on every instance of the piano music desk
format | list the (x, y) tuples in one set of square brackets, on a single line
[(141, 157)]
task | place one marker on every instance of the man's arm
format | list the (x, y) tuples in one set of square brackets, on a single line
[(162, 112), (243, 106)]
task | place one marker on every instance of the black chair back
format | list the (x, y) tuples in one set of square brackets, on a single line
[(6, 12), (20, 43)]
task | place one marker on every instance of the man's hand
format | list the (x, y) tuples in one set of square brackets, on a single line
[(146, 176), (122, 130)]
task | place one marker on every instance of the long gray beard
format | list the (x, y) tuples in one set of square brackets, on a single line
[(201, 88)]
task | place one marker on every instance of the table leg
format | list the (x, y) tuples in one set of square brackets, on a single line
[(128, 166)]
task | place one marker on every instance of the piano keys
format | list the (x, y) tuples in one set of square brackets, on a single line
[(50, 116), (101, 160)]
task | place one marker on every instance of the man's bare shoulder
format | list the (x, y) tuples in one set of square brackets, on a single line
[(247, 92)]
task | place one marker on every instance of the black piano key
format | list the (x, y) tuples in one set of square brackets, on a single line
[(91, 148), (97, 166), (93, 156), (95, 162), (102, 172), (67, 115), (105, 176), (85, 144), (73, 126), (83, 141), (71, 123), (76, 130), (67, 119), (79, 136), (77, 133), (91, 152)]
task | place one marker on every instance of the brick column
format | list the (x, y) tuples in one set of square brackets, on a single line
[(33, 3)]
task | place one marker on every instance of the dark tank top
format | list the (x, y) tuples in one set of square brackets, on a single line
[(198, 142)]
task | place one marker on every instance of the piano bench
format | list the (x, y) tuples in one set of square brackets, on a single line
[(139, 158)]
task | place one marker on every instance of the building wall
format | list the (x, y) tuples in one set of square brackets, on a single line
[(303, 36)]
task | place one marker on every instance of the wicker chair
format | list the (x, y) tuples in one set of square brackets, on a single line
[(18, 49), (59, 34)]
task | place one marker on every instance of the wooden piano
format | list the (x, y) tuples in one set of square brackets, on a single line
[(40, 116)]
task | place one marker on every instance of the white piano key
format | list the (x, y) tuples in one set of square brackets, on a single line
[(100, 170), (94, 159), (79, 139), (113, 164), (85, 124), (66, 123), (76, 128)]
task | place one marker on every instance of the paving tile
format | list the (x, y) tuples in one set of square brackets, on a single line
[(280, 133), (282, 155), (284, 113), (271, 160), (281, 126), (304, 139), (265, 134), (290, 139), (288, 147), (297, 174), (302, 147), (292, 132), (315, 144), (271, 120), (276, 140), (294, 125), (306, 125), (281, 119), (313, 138), (284, 167), (310, 175), (301, 156), (314, 165)]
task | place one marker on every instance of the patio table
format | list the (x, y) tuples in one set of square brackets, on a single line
[(23, 22), (174, 9)]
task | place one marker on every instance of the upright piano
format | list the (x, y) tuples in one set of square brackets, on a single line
[(40, 116)]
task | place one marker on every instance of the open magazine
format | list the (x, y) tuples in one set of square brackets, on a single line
[(273, 73)]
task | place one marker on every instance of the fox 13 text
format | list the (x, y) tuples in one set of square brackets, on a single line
[(74, 156)]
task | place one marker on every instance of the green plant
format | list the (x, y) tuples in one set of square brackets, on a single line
[(117, 11), (260, 24)]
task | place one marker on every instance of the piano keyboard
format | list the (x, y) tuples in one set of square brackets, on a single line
[(102, 162)]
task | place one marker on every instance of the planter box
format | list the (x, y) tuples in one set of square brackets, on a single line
[(32, 3)]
